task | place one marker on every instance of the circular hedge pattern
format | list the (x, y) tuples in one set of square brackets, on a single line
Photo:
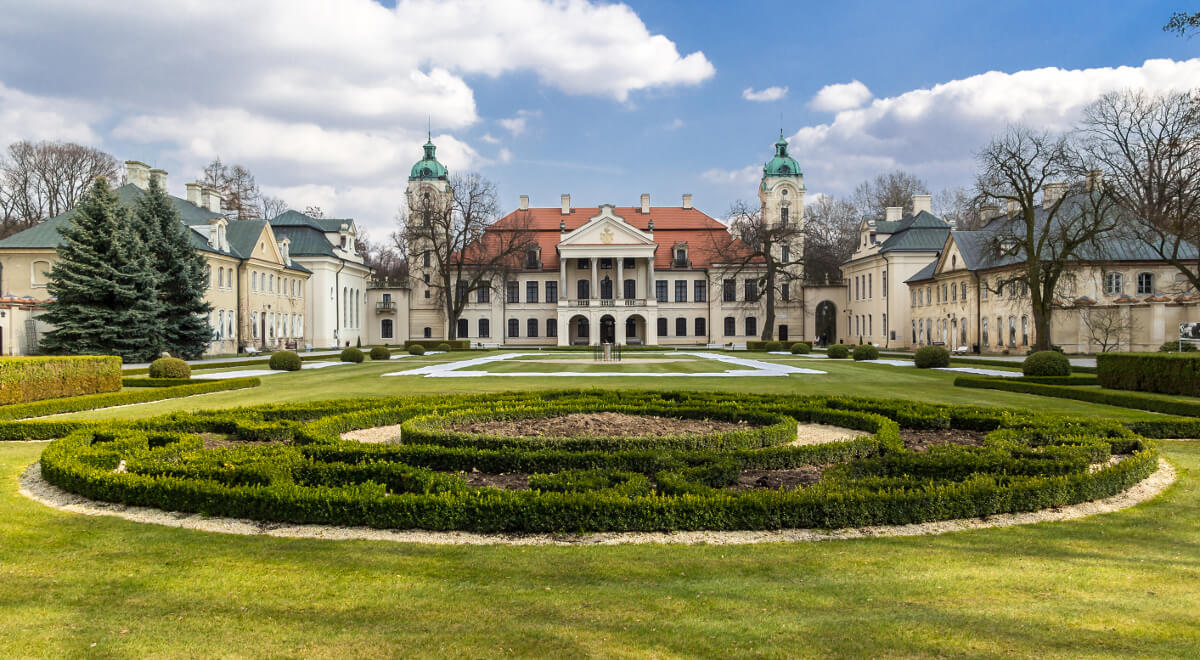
[(288, 463)]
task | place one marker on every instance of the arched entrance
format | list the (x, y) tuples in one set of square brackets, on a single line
[(635, 330), (608, 329), (579, 331), (826, 322)]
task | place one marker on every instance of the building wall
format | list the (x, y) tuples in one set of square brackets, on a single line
[(336, 301), (378, 310), (224, 277)]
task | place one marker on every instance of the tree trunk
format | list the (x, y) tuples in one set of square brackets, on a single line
[(768, 332), (1041, 327)]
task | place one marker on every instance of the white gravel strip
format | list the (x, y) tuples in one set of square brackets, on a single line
[(35, 488), (982, 372), (754, 368)]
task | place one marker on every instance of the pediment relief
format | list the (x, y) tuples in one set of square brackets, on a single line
[(607, 229)]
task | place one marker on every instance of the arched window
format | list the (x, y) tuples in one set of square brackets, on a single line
[(999, 331), (984, 328), (1024, 330), (1012, 331), (701, 326), (40, 273), (964, 291), (221, 324), (584, 329), (962, 331), (1145, 284), (485, 328), (680, 327), (514, 328), (254, 281), (730, 326), (271, 283), (914, 332), (662, 327), (254, 324), (229, 322), (751, 326)]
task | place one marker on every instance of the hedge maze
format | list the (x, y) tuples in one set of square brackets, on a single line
[(289, 463)]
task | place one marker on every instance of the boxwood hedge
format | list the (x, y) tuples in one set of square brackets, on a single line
[(311, 475), (1166, 373)]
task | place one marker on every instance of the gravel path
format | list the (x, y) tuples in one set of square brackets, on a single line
[(35, 488), (806, 434)]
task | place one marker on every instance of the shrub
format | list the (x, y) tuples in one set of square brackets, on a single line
[(1165, 373), (929, 357), (351, 354), (774, 346), (24, 379), (444, 347), (1046, 363), (108, 399), (838, 351), (432, 344), (1177, 347), (801, 348), (169, 367), (865, 352), (416, 349), (284, 361), (380, 353)]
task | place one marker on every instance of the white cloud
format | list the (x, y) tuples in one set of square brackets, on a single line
[(844, 96), (674, 124), (762, 95), (746, 176), (490, 139), (505, 156), (30, 117), (517, 125)]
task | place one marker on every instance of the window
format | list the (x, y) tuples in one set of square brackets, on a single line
[(884, 284), (983, 291), (485, 328), (531, 292), (870, 325), (964, 291), (629, 263), (983, 327), (584, 289), (868, 286), (700, 291), (253, 281), (428, 332), (701, 326), (783, 219), (1113, 283), (385, 329), (484, 293), (730, 326), (681, 258), (514, 292), (681, 290), (462, 329), (660, 290), (954, 293), (729, 292), (999, 331), (856, 287), (631, 288), (680, 327), (210, 279), (551, 292), (531, 327), (583, 264), (584, 329), (253, 325), (1024, 330), (1012, 331), (751, 326), (271, 284), (551, 327), (425, 258), (885, 328), (606, 288), (785, 253), (751, 291), (514, 328), (1145, 284), (662, 327), (460, 292), (785, 292), (531, 258), (426, 278), (221, 324), (606, 264)]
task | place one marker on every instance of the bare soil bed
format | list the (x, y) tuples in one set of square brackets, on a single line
[(777, 479), (503, 481), (921, 440), (604, 424), (222, 441)]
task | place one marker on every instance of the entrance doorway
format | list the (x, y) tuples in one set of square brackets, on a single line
[(783, 336), (826, 322), (608, 330)]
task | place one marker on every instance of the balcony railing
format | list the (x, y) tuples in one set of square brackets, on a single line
[(385, 307), (608, 302)]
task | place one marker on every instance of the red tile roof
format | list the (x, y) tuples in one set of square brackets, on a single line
[(708, 241)]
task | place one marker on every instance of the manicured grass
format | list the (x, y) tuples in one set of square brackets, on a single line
[(550, 364), (1115, 585)]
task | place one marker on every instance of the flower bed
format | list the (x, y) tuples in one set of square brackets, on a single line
[(300, 470)]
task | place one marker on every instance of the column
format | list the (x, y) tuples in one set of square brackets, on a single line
[(651, 328), (595, 292), (620, 292), (650, 280), (564, 328), (593, 327), (562, 278)]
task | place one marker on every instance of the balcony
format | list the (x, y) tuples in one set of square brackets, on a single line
[(385, 307)]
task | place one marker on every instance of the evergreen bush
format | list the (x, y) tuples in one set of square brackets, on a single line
[(380, 353), (930, 357), (1046, 363), (24, 379), (865, 352), (416, 349), (773, 346), (170, 367), (444, 347), (838, 351), (1177, 347), (285, 361), (351, 354), (801, 348), (1164, 373)]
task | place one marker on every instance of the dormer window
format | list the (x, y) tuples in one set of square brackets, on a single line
[(532, 259), (681, 258)]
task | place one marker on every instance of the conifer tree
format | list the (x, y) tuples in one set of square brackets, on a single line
[(182, 274), (104, 286)]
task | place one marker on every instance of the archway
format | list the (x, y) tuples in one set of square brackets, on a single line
[(635, 330), (826, 322), (608, 329), (579, 330)]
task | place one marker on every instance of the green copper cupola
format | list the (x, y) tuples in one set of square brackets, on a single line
[(428, 168), (782, 164)]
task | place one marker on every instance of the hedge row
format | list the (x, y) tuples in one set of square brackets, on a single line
[(25, 379), (140, 395), (1165, 373), (432, 344), (155, 382), (1079, 393), (1030, 461)]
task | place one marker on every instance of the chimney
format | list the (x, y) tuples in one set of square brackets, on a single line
[(212, 199), (1095, 179), (894, 213), (687, 200), (922, 203), (193, 193), (1052, 192), (566, 205), (524, 202), (159, 176), (137, 173), (989, 212), (645, 203)]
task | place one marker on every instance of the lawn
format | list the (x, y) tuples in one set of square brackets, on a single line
[(1109, 586)]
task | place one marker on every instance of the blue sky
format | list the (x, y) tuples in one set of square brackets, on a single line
[(327, 102)]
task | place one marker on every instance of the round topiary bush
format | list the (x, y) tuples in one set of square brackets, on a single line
[(865, 352), (416, 349), (930, 357), (284, 361), (352, 355), (443, 347), (380, 353), (801, 348), (170, 367), (1046, 363), (838, 351), (773, 346)]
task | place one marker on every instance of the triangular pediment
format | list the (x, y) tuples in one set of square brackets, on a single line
[(607, 228), (266, 248)]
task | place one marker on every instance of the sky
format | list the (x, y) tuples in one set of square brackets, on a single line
[(327, 103)]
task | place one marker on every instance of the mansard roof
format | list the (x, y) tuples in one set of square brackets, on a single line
[(922, 232)]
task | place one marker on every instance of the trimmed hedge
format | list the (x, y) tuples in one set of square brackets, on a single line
[(141, 395), (1165, 373), (380, 353), (865, 352), (155, 382), (801, 348), (25, 379), (760, 345), (1081, 393), (285, 361), (170, 367), (930, 357), (416, 349), (1029, 462), (444, 347), (352, 354), (432, 344), (838, 352), (1046, 363)]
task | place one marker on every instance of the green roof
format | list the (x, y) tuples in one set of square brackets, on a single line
[(428, 168), (305, 241), (782, 164)]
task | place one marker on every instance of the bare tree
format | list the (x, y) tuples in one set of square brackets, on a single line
[(385, 259), (44, 179), (1048, 238), (314, 211), (768, 250), (1148, 151), (239, 192), (1108, 326), (269, 207), (467, 247), (873, 196), (1183, 23), (959, 206), (830, 237)]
